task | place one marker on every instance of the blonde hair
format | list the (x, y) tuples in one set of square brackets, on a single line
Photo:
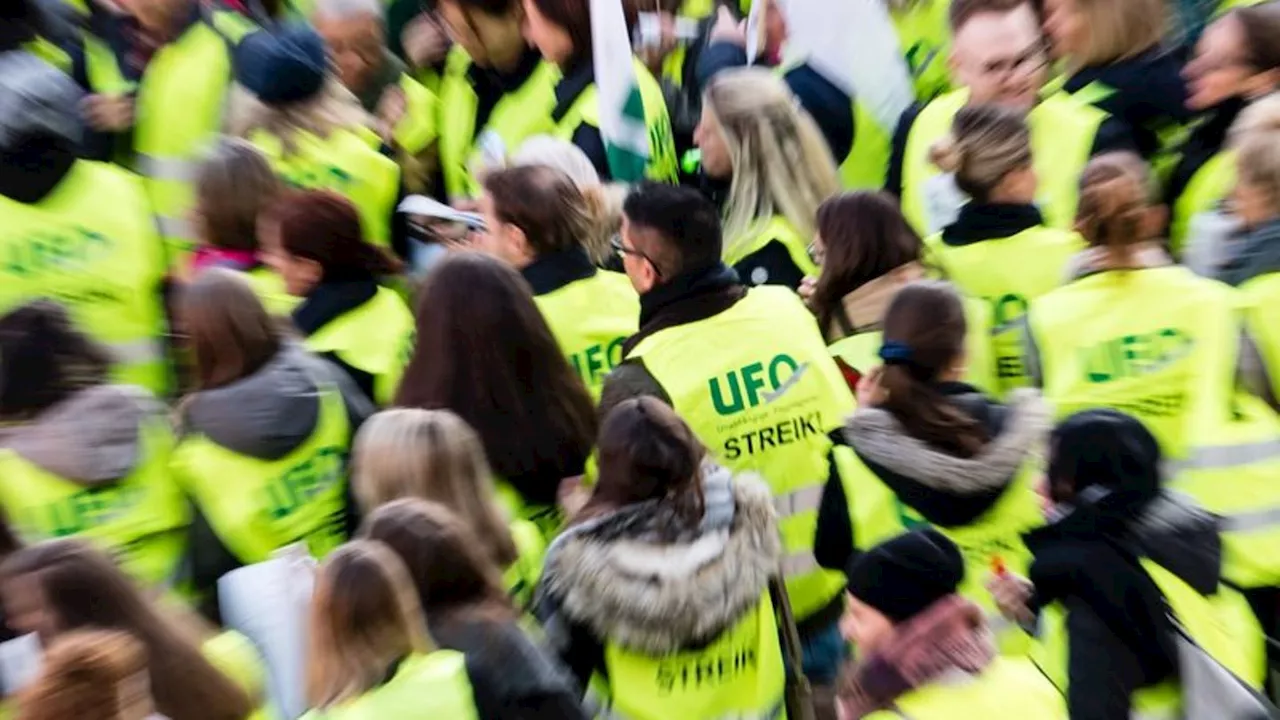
[(365, 616), (333, 108), (1116, 191), (1120, 29), (1256, 140), (603, 200), (82, 675), (781, 162), (432, 455), (986, 143)]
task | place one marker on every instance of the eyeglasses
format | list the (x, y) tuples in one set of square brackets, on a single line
[(1029, 61), (622, 251)]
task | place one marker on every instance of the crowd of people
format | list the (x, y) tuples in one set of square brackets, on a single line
[(639, 359)]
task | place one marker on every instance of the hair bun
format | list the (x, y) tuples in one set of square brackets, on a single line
[(947, 154)]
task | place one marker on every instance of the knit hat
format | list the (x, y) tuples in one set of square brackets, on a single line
[(1107, 449), (904, 576), (284, 66), (36, 101)]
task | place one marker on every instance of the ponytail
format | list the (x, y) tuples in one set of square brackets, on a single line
[(1114, 198)]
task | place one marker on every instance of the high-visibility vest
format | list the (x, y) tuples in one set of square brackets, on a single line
[(1206, 190), (91, 245), (347, 162), (1262, 296), (417, 127), (1223, 624), (49, 52), (548, 519), (1232, 471), (776, 228), (258, 506), (1158, 344), (591, 319), (517, 115), (521, 577), (738, 675), (663, 164), (924, 31), (141, 519), (178, 115), (236, 657), (1009, 687), (425, 687), (269, 287), (758, 386), (376, 338), (1008, 273), (703, 8), (878, 514), (1062, 135)]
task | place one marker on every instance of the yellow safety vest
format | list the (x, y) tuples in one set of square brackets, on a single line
[(1158, 344), (1232, 471), (347, 162), (521, 577), (591, 319), (547, 518), (417, 127), (236, 657), (878, 515), (91, 245), (699, 9), (178, 115), (1007, 273), (776, 228), (49, 52), (376, 338), (738, 675), (867, 163), (1223, 624), (269, 287), (1009, 687), (585, 110), (1062, 135), (1208, 187), (924, 32), (518, 115), (258, 506), (141, 519), (425, 687), (757, 385), (1262, 296)]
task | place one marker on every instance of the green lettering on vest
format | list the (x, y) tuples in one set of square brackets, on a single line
[(1007, 308), (1131, 356), (303, 482), (746, 383), (596, 361), (80, 512), (55, 252)]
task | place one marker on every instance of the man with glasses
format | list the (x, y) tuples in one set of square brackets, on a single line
[(998, 56)]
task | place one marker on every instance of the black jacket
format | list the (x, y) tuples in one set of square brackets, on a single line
[(325, 303), (1207, 140), (1148, 95), (575, 81)]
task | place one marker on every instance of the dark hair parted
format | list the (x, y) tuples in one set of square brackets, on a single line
[(485, 352), (574, 16), (545, 204), (683, 224), (229, 331), (45, 359), (1260, 25), (324, 226), (927, 316), (648, 453), (866, 237)]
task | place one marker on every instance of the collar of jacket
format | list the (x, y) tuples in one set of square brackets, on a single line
[(577, 78), (947, 490), (686, 298), (555, 270), (863, 309), (990, 221), (1256, 253), (329, 300), (1095, 260), (504, 82)]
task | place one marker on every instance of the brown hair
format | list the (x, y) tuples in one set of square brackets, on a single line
[(574, 16), (1260, 25), (365, 618), (545, 204), (82, 676), (45, 359), (324, 226), (962, 11), (1120, 29), (866, 237), (229, 331), (233, 186), (926, 320), (442, 553), (82, 589), (987, 142), (485, 352), (1114, 197), (432, 455), (648, 453)]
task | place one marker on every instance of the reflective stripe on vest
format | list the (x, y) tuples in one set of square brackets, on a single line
[(663, 164), (1062, 135), (757, 385), (258, 506), (375, 338), (92, 246), (591, 319)]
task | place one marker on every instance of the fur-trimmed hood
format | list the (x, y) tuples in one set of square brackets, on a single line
[(611, 577), (949, 490)]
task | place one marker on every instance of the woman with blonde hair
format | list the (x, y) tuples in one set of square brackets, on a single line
[(370, 654), (312, 130), (263, 413), (435, 455), (999, 248), (777, 168), (91, 673), (1116, 61)]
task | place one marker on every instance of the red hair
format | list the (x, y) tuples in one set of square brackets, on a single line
[(324, 226)]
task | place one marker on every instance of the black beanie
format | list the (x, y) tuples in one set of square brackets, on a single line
[(282, 66), (1109, 449), (904, 576)]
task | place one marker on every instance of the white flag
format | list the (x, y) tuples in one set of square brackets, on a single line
[(622, 126)]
